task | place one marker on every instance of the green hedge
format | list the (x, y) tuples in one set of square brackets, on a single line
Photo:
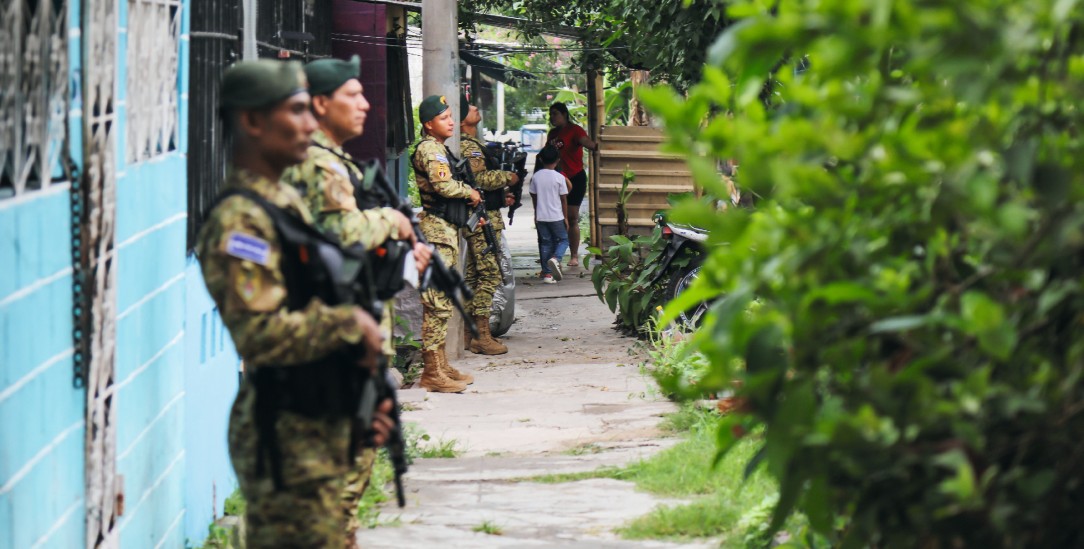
[(916, 256)]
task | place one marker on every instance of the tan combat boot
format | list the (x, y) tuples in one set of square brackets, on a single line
[(451, 372), (433, 377), (466, 337), (485, 344)]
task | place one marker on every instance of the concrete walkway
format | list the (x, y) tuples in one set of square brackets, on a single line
[(567, 397)]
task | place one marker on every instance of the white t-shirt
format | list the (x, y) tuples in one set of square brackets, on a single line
[(548, 186)]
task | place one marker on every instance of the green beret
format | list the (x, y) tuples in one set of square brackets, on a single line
[(261, 83), (431, 107), (464, 107), (326, 75)]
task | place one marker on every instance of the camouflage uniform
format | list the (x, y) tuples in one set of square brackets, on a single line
[(325, 184), (251, 296), (433, 174), (483, 273)]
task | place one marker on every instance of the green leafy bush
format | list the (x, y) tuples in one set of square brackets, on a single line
[(623, 279), (917, 254)]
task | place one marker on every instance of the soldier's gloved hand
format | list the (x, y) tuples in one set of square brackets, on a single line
[(475, 197), (382, 423), (406, 229), (422, 255), (515, 178), (371, 338)]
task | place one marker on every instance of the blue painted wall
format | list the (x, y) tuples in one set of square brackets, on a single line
[(176, 368), (211, 379), (41, 412)]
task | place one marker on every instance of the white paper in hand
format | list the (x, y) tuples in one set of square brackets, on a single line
[(410, 270)]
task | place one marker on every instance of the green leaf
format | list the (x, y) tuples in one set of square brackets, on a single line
[(985, 319), (902, 323)]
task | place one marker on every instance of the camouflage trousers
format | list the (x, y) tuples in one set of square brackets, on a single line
[(436, 307), (483, 273), (306, 511), (354, 485)]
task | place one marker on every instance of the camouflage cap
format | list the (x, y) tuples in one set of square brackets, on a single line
[(431, 107), (261, 83), (326, 75)]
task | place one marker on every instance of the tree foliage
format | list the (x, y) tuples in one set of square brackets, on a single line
[(667, 37), (915, 258)]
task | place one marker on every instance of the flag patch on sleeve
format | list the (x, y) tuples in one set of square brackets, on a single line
[(248, 247)]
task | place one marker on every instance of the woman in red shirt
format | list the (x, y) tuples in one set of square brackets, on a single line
[(570, 140)]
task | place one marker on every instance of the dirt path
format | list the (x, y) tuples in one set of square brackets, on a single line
[(568, 397)]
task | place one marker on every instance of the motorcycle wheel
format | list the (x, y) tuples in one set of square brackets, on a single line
[(503, 313), (681, 279)]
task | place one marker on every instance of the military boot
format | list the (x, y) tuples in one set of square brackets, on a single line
[(451, 372), (485, 344), (466, 337), (433, 378)]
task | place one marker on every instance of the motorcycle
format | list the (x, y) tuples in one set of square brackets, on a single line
[(507, 156), (681, 263)]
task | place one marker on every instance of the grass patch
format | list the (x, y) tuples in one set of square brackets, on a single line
[(420, 445), (442, 448), (557, 478), (488, 527), (377, 493), (583, 449), (235, 504)]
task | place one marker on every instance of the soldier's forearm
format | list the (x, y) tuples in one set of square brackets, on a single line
[(492, 180), (286, 338)]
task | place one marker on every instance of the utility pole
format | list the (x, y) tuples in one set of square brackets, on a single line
[(440, 56), (440, 76), (500, 107)]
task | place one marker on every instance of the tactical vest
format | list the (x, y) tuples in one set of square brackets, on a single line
[(452, 210), (494, 200), (313, 266)]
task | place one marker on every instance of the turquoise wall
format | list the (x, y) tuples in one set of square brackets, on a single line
[(41, 412), (176, 369), (42, 426)]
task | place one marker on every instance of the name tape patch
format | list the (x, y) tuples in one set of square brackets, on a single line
[(248, 247)]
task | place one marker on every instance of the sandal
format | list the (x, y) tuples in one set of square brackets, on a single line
[(574, 262)]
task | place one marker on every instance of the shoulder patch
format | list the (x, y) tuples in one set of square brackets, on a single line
[(338, 168), (476, 153), (248, 247), (442, 158)]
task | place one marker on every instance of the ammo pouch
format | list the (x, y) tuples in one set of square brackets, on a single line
[(494, 200), (388, 262), (452, 210)]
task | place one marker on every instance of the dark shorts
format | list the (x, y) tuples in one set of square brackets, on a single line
[(579, 189)]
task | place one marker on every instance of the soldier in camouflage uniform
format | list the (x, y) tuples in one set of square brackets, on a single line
[(483, 273), (326, 182), (444, 200), (296, 503)]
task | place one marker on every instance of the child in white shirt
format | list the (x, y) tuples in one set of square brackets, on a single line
[(549, 190)]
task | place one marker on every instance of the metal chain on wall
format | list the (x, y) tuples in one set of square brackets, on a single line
[(99, 29), (33, 94)]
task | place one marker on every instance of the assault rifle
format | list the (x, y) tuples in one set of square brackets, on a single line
[(438, 276), (465, 174), (509, 157)]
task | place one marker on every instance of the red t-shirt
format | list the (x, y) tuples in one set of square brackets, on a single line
[(565, 140)]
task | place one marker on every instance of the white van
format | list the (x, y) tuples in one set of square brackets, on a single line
[(533, 137)]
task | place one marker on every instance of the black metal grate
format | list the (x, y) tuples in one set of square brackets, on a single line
[(215, 44), (296, 29)]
